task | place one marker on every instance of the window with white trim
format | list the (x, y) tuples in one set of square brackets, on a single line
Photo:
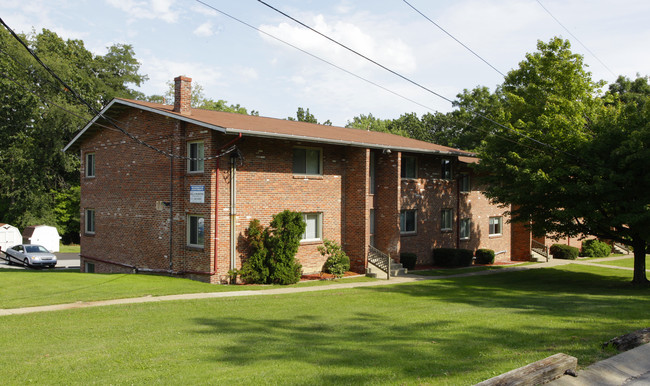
[(445, 169), (307, 160), (409, 166), (464, 183), (408, 221), (314, 228), (446, 219), (196, 155), (90, 164), (195, 231), (465, 228), (496, 225), (89, 222)]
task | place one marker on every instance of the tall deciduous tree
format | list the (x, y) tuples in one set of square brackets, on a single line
[(303, 115), (34, 130), (568, 162)]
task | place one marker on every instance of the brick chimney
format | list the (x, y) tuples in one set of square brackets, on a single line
[(183, 95)]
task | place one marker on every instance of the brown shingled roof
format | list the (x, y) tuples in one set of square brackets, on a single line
[(232, 123)]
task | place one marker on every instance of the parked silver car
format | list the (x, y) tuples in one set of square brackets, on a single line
[(31, 255)]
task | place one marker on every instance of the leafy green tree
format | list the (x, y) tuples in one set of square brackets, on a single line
[(369, 122), (66, 210), (199, 101), (566, 161), (34, 130), (303, 115)]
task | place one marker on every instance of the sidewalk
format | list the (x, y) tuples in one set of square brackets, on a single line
[(410, 278), (631, 368)]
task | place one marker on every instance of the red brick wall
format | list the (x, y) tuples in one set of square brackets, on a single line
[(386, 202)]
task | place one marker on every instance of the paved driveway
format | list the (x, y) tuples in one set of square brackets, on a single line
[(64, 260)]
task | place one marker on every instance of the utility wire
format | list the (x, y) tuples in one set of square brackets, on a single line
[(414, 82), (572, 35), (313, 55), (96, 112), (453, 37)]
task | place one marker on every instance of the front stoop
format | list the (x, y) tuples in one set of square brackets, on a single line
[(396, 269), (539, 258)]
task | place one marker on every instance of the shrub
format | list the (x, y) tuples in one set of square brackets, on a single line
[(408, 260), (484, 256), (338, 263), (595, 248), (273, 250), (561, 251), (452, 257)]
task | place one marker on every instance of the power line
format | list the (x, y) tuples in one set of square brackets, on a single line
[(572, 35), (313, 55), (453, 37), (99, 113), (414, 82)]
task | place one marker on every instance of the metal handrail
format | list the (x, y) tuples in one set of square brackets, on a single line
[(623, 247), (539, 248), (380, 259)]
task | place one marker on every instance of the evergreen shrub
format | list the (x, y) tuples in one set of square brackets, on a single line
[(337, 263), (595, 248), (408, 260), (561, 251), (484, 256)]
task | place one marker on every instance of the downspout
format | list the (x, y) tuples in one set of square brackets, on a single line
[(233, 208), (458, 213), (171, 205)]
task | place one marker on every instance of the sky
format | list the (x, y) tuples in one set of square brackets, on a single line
[(240, 64)]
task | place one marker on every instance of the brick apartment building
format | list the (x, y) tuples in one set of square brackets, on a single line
[(181, 205)]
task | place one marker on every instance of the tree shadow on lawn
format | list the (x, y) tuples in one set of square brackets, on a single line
[(559, 310)]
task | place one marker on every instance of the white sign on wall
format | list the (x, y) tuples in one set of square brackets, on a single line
[(197, 194)]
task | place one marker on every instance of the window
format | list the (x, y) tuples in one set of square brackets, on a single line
[(90, 164), (90, 221), (89, 267), (314, 229), (445, 171), (307, 161), (465, 227), (372, 227), (196, 231), (196, 154), (407, 221), (464, 183), (446, 220), (409, 167), (372, 172), (496, 223)]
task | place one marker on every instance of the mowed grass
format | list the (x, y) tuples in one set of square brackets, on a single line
[(27, 288), (72, 248), (458, 271), (453, 331), (626, 263)]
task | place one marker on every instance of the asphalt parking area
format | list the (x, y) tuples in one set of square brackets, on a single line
[(64, 261)]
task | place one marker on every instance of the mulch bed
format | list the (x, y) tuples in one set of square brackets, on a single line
[(325, 276)]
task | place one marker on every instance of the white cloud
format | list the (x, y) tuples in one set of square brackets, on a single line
[(204, 30), (147, 9), (162, 71), (380, 46)]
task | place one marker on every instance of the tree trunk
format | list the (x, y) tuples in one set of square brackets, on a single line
[(640, 278)]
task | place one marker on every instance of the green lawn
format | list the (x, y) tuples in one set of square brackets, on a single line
[(43, 287), (627, 263), (453, 331), (72, 248)]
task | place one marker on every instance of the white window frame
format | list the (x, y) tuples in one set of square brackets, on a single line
[(403, 223), (196, 165), (306, 165), (465, 183), (190, 242), (465, 228), (89, 221), (446, 220), (496, 221), (446, 166), (90, 165), (310, 216), (404, 172)]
